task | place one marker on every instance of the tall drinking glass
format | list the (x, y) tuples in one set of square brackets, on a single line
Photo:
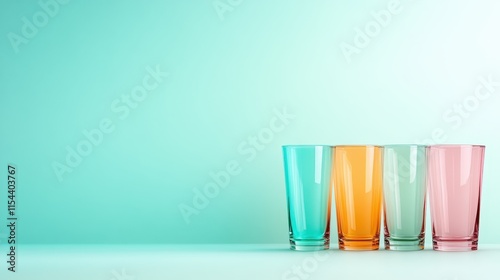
[(404, 196), (455, 178), (358, 192), (308, 189)]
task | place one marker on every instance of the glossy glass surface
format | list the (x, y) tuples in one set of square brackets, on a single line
[(358, 192), (308, 188), (404, 196), (455, 179)]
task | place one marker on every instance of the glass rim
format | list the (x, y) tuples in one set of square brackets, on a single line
[(305, 146), (456, 146), (405, 145), (358, 146)]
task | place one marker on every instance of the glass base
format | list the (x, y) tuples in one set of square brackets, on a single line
[(454, 245), (309, 245), (396, 244), (359, 244)]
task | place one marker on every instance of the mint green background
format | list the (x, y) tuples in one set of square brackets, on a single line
[(226, 79)]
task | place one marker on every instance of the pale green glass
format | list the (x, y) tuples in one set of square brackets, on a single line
[(404, 196)]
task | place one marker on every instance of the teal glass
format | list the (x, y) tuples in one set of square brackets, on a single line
[(308, 189), (404, 196)]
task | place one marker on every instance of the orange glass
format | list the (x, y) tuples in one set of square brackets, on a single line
[(357, 175)]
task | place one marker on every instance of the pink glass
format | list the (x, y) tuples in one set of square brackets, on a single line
[(454, 178)]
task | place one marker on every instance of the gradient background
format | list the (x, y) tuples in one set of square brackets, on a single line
[(228, 75)]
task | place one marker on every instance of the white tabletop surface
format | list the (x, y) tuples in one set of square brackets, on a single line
[(141, 262)]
